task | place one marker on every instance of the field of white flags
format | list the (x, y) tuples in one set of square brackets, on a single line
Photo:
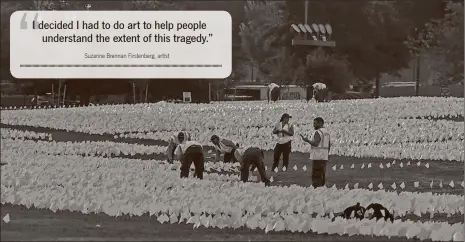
[(404, 153)]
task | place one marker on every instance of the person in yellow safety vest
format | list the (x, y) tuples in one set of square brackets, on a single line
[(248, 156), (188, 152), (224, 146), (319, 152), (174, 141)]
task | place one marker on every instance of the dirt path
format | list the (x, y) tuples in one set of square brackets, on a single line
[(44, 225)]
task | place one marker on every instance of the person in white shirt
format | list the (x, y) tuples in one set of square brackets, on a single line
[(273, 92), (188, 152), (251, 156), (285, 133), (319, 152), (174, 141), (223, 146)]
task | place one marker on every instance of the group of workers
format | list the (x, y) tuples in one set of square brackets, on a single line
[(251, 157), (189, 151)]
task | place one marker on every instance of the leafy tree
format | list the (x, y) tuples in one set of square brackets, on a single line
[(328, 69), (441, 41), (260, 19), (266, 41), (369, 34)]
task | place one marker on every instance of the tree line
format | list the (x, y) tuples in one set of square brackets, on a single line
[(372, 38)]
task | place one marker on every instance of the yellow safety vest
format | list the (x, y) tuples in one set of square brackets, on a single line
[(321, 152)]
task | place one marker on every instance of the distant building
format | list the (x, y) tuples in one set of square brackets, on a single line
[(259, 92)]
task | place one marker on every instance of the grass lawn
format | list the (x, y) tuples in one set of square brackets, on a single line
[(38, 224)]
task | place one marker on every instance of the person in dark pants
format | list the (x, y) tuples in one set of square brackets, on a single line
[(224, 146), (285, 132), (273, 93), (309, 93), (355, 211), (251, 156), (174, 141), (319, 153), (189, 152), (378, 211)]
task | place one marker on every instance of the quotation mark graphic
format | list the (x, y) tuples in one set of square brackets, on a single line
[(23, 23)]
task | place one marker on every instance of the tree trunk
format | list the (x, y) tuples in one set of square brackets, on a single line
[(59, 92), (141, 93), (146, 92), (134, 92), (35, 96), (377, 91), (417, 81)]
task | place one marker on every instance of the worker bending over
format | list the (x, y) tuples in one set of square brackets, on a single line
[(378, 211), (251, 156), (223, 146), (188, 152), (174, 141)]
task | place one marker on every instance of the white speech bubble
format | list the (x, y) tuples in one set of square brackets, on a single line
[(211, 57)]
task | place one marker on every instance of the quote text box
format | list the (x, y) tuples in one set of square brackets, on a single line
[(120, 44)]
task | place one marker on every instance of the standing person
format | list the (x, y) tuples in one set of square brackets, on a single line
[(188, 152), (251, 156), (174, 141), (223, 146), (319, 152), (309, 93), (274, 92), (285, 132)]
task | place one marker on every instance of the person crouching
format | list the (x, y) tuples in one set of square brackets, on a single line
[(223, 146), (378, 211), (188, 152), (251, 156), (356, 211), (174, 141)]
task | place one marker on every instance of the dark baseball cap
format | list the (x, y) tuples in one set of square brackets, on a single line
[(286, 115), (214, 137)]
